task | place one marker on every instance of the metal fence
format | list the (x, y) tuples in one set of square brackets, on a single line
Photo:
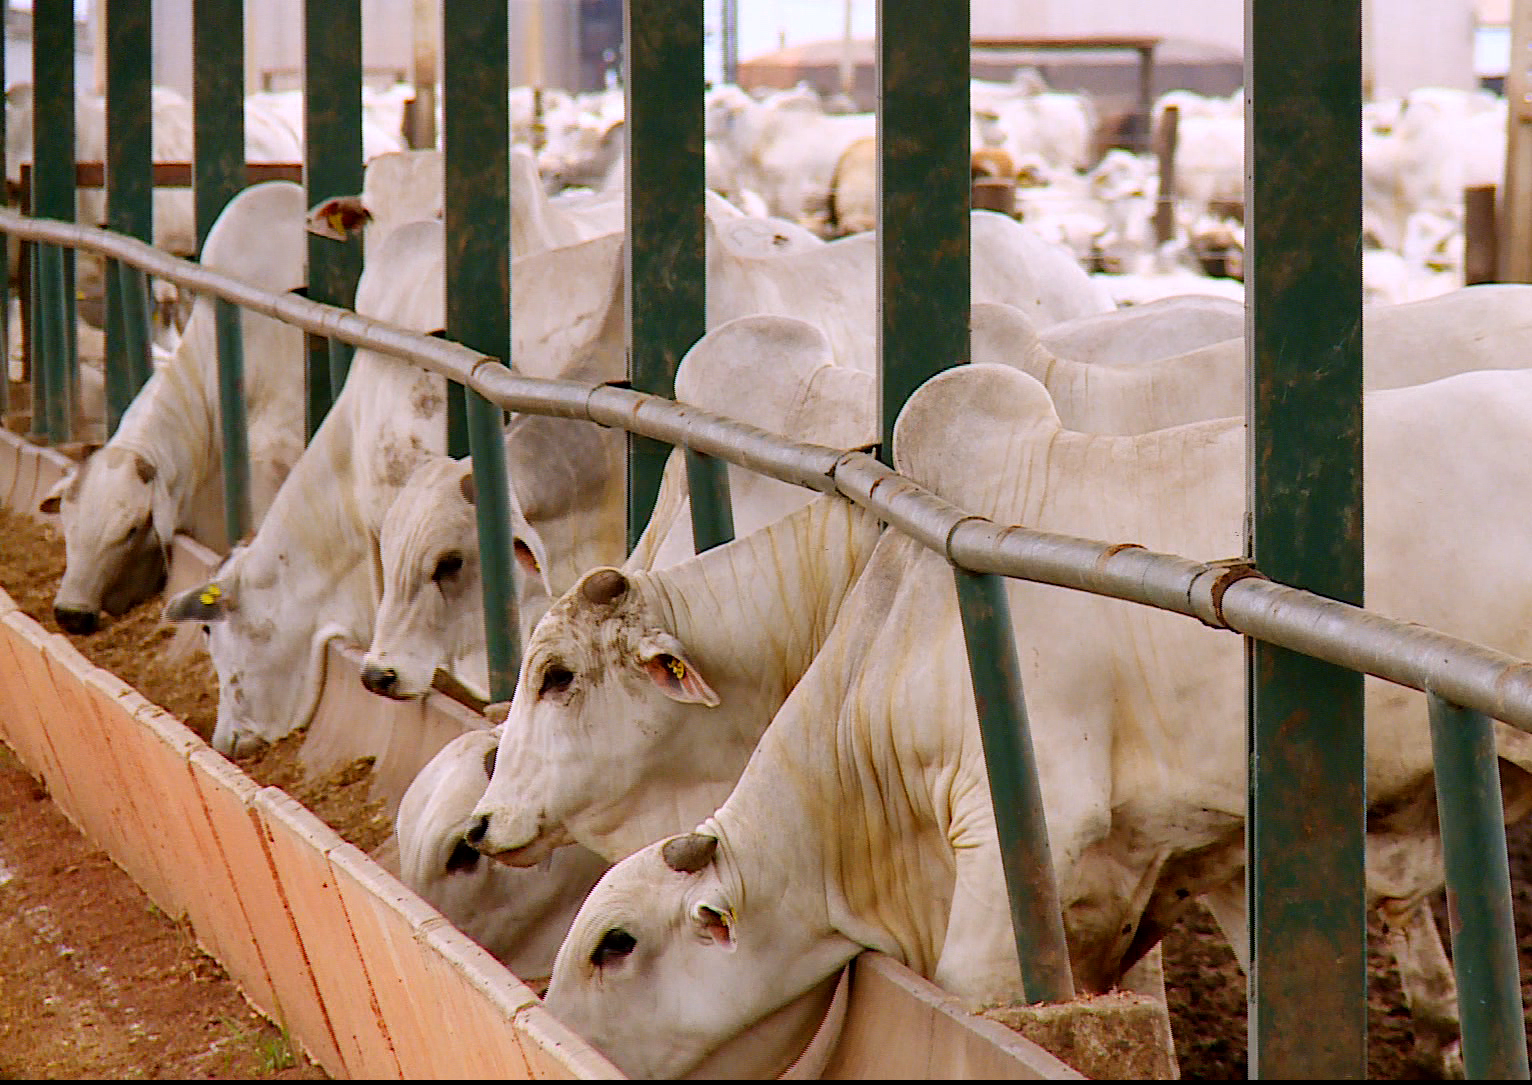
[(1307, 650)]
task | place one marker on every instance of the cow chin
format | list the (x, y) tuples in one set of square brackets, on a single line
[(537, 850), (233, 742), (143, 575)]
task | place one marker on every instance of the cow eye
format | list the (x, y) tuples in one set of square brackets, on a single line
[(447, 565), (556, 679), (615, 944)]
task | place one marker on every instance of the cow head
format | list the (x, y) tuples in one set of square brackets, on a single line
[(432, 608), (609, 708), (672, 969), (112, 508), (267, 643)]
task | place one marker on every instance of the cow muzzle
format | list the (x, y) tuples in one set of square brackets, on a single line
[(78, 621), (535, 847), (383, 681)]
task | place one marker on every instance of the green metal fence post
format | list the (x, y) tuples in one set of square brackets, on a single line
[(138, 332), (1484, 955), (1036, 922), (1307, 786), (218, 100), (129, 182), (476, 141), (923, 194), (332, 166), (667, 266), (231, 419), (707, 480), (54, 363), (53, 195)]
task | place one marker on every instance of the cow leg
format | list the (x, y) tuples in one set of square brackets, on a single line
[(1227, 904), (1430, 987)]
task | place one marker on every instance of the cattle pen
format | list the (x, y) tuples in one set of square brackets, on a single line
[(1295, 596)]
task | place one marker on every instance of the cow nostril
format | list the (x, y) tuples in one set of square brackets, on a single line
[(380, 679), (78, 622), (476, 832)]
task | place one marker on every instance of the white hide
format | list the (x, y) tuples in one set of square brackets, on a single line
[(162, 470), (520, 916), (864, 818)]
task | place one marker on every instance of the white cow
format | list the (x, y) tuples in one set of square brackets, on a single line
[(306, 577), (520, 916), (568, 488), (162, 470), (1479, 327), (1144, 333), (785, 150), (864, 818), (310, 574)]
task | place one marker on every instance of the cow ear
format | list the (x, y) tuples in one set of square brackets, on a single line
[(714, 922), (665, 661), (208, 603), (336, 217), (54, 498)]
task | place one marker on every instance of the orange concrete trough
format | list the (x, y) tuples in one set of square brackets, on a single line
[(370, 979)]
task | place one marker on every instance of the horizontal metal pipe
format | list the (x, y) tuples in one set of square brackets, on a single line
[(1222, 594)]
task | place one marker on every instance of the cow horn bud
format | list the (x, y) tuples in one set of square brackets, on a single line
[(690, 853), (604, 586)]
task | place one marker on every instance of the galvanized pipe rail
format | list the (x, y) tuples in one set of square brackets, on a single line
[(1225, 595)]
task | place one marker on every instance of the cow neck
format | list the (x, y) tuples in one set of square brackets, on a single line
[(756, 611), (831, 814), (172, 422)]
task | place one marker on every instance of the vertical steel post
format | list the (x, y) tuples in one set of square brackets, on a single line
[(129, 183), (332, 166), (53, 187), (53, 367), (712, 510), (667, 266), (923, 194), (1484, 955), (1307, 786), (231, 419), (133, 286), (218, 100), (1036, 922), (476, 141)]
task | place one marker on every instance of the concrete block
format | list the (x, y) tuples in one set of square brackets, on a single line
[(479, 1035), (299, 842), (1120, 1035), (555, 1053), (384, 914), (218, 912), (229, 797), (899, 1025)]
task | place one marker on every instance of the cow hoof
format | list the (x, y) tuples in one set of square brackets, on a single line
[(78, 622)]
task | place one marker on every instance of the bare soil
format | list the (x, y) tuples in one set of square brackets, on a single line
[(94, 982)]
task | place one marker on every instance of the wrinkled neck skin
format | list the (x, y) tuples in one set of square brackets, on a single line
[(173, 424), (780, 588), (304, 580)]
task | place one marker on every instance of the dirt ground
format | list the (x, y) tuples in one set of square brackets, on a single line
[(94, 982)]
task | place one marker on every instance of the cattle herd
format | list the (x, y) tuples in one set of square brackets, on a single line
[(723, 775)]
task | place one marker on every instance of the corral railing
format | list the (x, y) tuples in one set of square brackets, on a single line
[(1468, 684), (1307, 649)]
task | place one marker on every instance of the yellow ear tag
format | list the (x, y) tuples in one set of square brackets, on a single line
[(677, 668), (210, 594), (337, 222)]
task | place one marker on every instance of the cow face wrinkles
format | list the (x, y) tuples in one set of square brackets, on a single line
[(608, 702), (430, 612), (270, 657), (654, 944), (114, 557)]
